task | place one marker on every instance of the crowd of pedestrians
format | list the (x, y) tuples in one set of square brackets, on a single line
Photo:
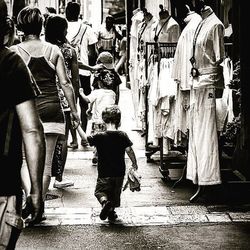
[(59, 68)]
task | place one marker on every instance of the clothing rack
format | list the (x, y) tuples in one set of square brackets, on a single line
[(159, 51)]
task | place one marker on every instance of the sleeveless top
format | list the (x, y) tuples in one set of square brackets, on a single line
[(48, 103)]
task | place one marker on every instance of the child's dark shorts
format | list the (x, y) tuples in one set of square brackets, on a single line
[(109, 188)]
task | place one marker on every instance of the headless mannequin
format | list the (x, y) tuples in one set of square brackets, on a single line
[(214, 176), (166, 29), (163, 19), (143, 30)]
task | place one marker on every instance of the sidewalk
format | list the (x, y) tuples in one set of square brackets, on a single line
[(156, 204)]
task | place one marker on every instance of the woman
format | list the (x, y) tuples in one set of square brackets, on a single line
[(45, 62), (55, 33)]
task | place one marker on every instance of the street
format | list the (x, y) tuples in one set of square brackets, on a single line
[(157, 217), (191, 236)]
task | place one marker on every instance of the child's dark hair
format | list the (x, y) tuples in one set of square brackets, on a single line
[(112, 114)]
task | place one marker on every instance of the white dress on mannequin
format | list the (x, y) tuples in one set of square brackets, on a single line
[(203, 166)]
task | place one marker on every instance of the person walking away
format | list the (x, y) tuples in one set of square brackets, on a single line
[(19, 123), (121, 65), (45, 62), (107, 36), (98, 99), (83, 38), (107, 74), (55, 33), (9, 40), (111, 147)]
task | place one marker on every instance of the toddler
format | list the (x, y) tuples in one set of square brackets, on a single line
[(111, 146)]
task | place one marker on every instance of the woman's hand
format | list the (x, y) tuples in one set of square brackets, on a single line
[(75, 117), (98, 67)]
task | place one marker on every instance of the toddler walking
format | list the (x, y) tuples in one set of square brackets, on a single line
[(98, 99), (111, 146)]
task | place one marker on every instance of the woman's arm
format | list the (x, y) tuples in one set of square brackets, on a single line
[(90, 68), (66, 83), (80, 131), (75, 74)]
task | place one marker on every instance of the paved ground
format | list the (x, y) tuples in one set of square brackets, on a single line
[(156, 204), (157, 217), (175, 237)]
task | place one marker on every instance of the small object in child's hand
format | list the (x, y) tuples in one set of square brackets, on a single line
[(133, 181)]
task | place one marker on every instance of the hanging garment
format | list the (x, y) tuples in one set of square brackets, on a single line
[(140, 88), (167, 86), (224, 105), (228, 76), (136, 20), (152, 102), (166, 92), (181, 114)]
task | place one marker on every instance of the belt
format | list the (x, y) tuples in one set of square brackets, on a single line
[(214, 70)]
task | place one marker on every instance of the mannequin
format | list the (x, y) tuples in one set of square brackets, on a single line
[(181, 72), (136, 20), (203, 166), (143, 36), (145, 30), (166, 29), (182, 65)]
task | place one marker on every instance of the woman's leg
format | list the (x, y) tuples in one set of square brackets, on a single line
[(51, 140), (62, 141)]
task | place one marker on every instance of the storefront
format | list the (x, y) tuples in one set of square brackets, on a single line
[(232, 14)]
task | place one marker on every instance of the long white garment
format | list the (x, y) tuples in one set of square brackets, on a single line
[(136, 19), (203, 166), (152, 102), (228, 76), (203, 158)]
